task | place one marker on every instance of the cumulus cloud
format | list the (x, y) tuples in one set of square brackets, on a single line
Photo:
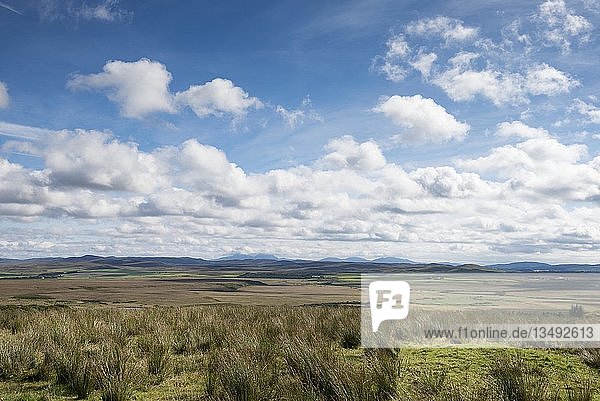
[(446, 182), (399, 57), (498, 87), (542, 167), (542, 79), (451, 30), (192, 198), (501, 72), (20, 186), (140, 87), (588, 110), (217, 97), (560, 26), (207, 168), (345, 152), (520, 130), (462, 83), (422, 118), (78, 159), (4, 98)]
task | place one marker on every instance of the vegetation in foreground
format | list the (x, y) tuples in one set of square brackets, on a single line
[(253, 353)]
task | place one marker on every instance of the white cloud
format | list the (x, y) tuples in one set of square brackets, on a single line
[(446, 182), (592, 5), (513, 37), (295, 117), (541, 168), (520, 130), (192, 199), (106, 11), (462, 83), (560, 26), (545, 80), (451, 30), (389, 64), (217, 97), (79, 159), (589, 110), (206, 168), (501, 72), (4, 98), (397, 47), (424, 119), (393, 72), (423, 63), (345, 152), (22, 131), (291, 117), (140, 87)]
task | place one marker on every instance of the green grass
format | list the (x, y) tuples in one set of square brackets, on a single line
[(260, 353)]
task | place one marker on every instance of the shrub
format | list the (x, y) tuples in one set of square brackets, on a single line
[(591, 357), (576, 311)]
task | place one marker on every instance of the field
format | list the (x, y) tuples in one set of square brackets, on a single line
[(184, 334)]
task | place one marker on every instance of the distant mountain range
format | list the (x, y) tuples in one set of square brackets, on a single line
[(259, 261), (357, 259), (253, 256), (545, 267), (352, 259)]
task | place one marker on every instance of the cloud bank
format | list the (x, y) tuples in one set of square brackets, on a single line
[(189, 197)]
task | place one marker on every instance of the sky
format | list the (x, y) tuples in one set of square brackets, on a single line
[(436, 131)]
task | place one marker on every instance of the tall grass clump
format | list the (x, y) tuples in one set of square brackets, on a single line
[(583, 391), (382, 372), (117, 373), (234, 376), (156, 349), (322, 372), (19, 358), (515, 380), (74, 369)]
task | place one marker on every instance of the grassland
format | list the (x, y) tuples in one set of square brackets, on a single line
[(189, 334), (259, 353)]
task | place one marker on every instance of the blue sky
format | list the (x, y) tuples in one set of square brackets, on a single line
[(436, 131)]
